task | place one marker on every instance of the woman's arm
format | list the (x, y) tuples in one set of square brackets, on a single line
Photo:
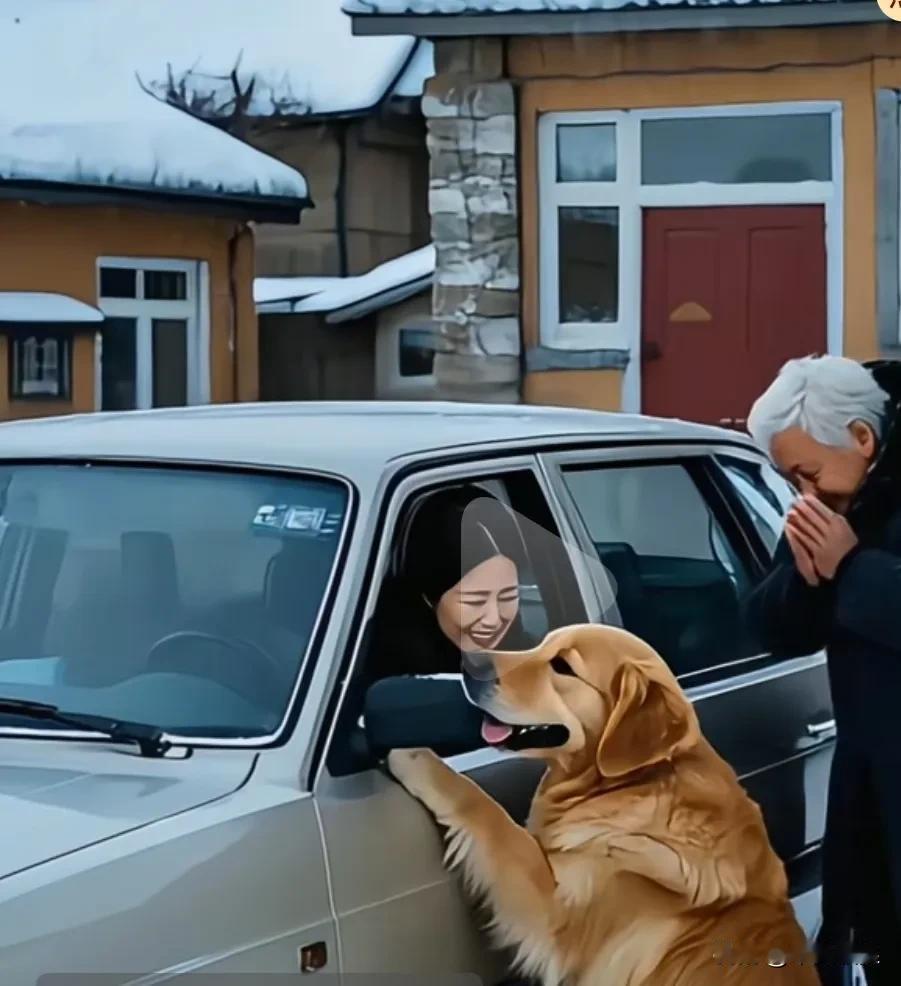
[(868, 596), (785, 614)]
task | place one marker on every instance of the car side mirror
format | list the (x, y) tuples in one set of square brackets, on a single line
[(407, 712)]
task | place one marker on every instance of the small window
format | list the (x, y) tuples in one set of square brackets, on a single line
[(118, 282), (165, 285), (589, 264), (586, 152), (677, 578), (737, 149), (416, 352), (765, 494), (40, 366)]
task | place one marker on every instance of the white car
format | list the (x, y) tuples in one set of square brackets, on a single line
[(185, 784)]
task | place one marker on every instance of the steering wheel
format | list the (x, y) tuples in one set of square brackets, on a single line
[(249, 672)]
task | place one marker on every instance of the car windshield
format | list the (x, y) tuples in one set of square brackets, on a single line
[(186, 599)]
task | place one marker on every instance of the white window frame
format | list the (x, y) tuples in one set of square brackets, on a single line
[(194, 309), (628, 195)]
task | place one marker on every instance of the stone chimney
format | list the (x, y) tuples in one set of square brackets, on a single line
[(470, 110)]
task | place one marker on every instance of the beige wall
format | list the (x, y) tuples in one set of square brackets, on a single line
[(658, 69), (55, 248), (386, 194)]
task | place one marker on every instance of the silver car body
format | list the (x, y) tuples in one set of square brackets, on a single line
[(238, 856)]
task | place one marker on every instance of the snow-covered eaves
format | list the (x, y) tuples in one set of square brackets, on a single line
[(45, 307), (343, 299), (77, 117), (463, 18)]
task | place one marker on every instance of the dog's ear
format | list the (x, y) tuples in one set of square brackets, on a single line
[(650, 722)]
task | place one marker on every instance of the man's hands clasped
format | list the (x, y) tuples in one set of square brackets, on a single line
[(819, 539)]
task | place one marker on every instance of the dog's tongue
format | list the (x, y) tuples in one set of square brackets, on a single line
[(495, 732)]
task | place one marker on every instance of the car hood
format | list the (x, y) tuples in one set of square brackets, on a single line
[(56, 798)]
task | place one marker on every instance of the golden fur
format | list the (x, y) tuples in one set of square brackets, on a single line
[(644, 863)]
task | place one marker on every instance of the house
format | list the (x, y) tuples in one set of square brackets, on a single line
[(289, 77), (666, 200), (126, 245), (368, 336)]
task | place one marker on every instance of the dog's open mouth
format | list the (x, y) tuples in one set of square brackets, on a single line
[(540, 736)]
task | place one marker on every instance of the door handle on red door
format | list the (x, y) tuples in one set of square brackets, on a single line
[(821, 730)]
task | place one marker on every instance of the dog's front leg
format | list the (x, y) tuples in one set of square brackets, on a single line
[(499, 858)]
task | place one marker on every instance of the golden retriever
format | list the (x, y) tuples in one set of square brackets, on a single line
[(644, 863)]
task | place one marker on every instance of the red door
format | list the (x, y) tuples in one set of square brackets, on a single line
[(729, 294)]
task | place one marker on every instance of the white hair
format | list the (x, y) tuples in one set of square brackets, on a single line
[(824, 396)]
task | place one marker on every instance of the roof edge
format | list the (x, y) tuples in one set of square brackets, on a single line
[(274, 209), (813, 13)]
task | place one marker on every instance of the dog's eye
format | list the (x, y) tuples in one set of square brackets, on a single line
[(561, 666)]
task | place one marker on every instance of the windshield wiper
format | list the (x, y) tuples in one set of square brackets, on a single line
[(150, 740)]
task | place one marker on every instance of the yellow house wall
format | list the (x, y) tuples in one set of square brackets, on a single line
[(55, 248), (663, 69)]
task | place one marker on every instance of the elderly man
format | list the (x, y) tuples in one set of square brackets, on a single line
[(829, 426)]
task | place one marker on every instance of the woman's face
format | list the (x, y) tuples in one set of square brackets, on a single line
[(831, 474), (476, 613)]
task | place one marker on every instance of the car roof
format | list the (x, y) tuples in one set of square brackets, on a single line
[(346, 438)]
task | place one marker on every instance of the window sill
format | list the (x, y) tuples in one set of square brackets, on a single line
[(540, 359)]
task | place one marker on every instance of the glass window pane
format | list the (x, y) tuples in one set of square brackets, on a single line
[(118, 364), (170, 362), (118, 282), (586, 152), (416, 352), (40, 365), (678, 581), (765, 494), (589, 264), (734, 149), (100, 566), (165, 285)]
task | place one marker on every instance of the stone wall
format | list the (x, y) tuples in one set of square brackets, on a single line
[(470, 110)]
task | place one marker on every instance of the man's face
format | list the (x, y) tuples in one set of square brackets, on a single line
[(831, 473)]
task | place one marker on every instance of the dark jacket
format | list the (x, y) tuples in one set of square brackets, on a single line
[(857, 618)]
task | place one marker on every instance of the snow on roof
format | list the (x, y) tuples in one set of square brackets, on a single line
[(345, 298), (432, 7), (76, 112), (300, 55), (45, 306)]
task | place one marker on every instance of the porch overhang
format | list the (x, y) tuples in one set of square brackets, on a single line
[(45, 308)]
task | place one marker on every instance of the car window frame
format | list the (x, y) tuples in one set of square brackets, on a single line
[(424, 477), (726, 508), (729, 492)]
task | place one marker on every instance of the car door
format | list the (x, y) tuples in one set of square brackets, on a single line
[(682, 554), (398, 909)]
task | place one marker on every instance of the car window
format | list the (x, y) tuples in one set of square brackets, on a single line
[(676, 575), (549, 597), (180, 598), (764, 492)]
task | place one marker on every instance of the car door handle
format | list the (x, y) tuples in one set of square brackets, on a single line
[(821, 730)]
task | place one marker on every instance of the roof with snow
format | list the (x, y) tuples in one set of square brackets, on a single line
[(76, 114), (347, 298), (437, 18), (46, 307), (290, 58)]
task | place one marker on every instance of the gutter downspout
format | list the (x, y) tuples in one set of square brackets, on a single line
[(233, 307), (341, 198)]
